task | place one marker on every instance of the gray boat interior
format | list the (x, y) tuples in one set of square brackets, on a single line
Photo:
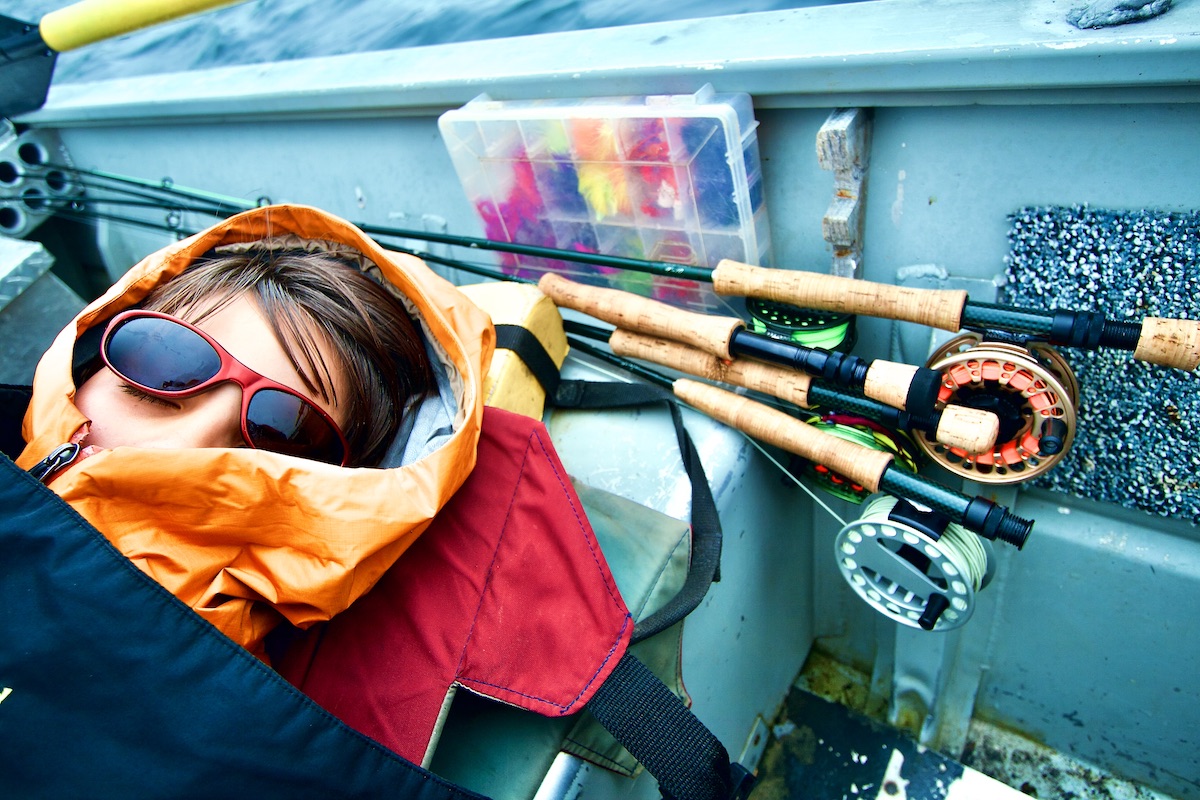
[(991, 125)]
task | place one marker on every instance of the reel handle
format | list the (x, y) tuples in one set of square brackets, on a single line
[(710, 333), (1169, 343), (860, 464), (971, 429), (938, 308)]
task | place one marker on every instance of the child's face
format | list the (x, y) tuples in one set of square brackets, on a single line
[(121, 415)]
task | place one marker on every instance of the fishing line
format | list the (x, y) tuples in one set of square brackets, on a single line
[(663, 381), (792, 477), (808, 327), (864, 433)]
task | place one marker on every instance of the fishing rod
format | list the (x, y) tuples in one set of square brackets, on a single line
[(163, 193), (903, 386), (967, 430), (928, 569), (953, 426), (1031, 391), (933, 588), (1004, 364), (1165, 342), (1156, 340), (872, 469)]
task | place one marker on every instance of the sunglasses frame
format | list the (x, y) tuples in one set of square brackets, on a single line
[(231, 371)]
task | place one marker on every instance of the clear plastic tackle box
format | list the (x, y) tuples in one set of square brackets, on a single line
[(667, 178)]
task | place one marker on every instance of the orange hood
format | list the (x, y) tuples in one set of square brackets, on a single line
[(235, 533)]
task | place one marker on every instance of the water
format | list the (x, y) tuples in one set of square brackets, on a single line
[(271, 30)]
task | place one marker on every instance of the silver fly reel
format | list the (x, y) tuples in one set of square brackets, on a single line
[(913, 566)]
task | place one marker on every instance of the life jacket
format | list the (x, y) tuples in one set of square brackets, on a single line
[(507, 594), (203, 523)]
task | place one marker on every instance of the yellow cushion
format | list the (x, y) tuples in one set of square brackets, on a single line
[(510, 384)]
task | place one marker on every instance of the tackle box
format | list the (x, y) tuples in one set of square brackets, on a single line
[(667, 178)]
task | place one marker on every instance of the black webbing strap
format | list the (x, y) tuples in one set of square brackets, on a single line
[(531, 351), (704, 566), (13, 402), (657, 729)]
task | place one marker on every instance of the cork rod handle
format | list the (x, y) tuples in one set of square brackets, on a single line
[(1169, 343), (860, 464), (710, 333), (938, 308), (888, 382)]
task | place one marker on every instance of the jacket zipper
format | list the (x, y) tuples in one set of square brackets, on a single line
[(61, 456)]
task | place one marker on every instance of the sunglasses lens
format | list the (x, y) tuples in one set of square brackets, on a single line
[(161, 355), (284, 423)]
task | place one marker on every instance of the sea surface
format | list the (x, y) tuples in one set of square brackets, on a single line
[(271, 30)]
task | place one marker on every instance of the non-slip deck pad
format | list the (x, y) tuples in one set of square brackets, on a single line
[(1137, 423)]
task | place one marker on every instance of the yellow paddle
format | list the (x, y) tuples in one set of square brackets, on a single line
[(28, 52)]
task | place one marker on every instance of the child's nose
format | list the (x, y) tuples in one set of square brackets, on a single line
[(210, 419)]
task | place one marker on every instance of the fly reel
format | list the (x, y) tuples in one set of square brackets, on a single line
[(866, 433), (806, 326), (913, 566), (1031, 390)]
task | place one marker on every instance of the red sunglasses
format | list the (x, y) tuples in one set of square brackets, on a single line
[(166, 357)]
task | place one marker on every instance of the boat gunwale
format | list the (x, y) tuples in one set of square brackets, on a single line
[(877, 53)]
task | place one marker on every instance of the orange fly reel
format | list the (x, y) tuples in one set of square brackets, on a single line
[(1031, 389)]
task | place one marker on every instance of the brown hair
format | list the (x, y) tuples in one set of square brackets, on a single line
[(304, 295)]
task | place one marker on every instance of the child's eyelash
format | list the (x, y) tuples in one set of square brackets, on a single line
[(138, 394)]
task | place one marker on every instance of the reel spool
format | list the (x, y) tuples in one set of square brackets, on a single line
[(1033, 392), (913, 566), (804, 326), (861, 431)]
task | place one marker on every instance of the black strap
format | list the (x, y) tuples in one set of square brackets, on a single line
[(531, 351), (13, 402), (657, 729), (704, 566)]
